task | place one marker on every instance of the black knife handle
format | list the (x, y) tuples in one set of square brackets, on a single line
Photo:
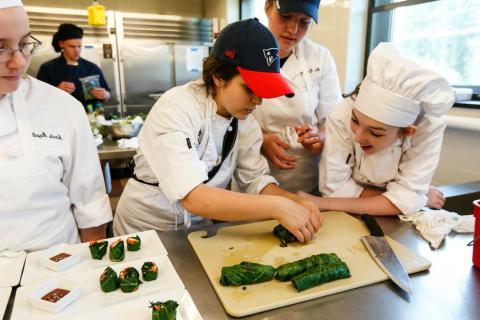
[(372, 225)]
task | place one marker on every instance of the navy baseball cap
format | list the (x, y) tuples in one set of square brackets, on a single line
[(308, 7), (251, 47)]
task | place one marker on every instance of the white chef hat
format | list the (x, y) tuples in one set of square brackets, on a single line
[(396, 89), (10, 3)]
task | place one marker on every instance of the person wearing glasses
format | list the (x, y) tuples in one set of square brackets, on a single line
[(51, 185), (311, 73), (199, 135), (81, 78)]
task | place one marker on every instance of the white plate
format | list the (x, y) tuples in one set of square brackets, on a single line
[(93, 298), (151, 246), (11, 270), (4, 296), (138, 309)]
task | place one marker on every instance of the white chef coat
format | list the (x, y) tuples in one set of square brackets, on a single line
[(177, 150), (50, 177), (311, 73), (404, 169)]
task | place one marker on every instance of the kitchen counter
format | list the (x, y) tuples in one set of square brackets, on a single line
[(449, 290), (109, 150)]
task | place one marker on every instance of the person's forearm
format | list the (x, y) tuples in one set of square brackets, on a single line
[(374, 205), (220, 204), (274, 190), (94, 233)]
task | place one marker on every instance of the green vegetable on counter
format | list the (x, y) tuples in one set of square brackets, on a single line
[(283, 235), (246, 273), (98, 249), (287, 271), (134, 243), (109, 280), (129, 279), (149, 271), (320, 274), (164, 310), (117, 251)]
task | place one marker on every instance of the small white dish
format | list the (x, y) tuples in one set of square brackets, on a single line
[(46, 257), (35, 296)]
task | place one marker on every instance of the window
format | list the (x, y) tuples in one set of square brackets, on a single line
[(252, 9), (443, 35)]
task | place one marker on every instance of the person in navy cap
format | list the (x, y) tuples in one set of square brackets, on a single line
[(293, 128), (199, 135), (69, 70)]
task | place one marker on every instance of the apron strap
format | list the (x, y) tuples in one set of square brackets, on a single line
[(228, 143)]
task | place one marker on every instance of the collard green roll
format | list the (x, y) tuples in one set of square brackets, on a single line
[(129, 279), (283, 235), (320, 274), (134, 243), (149, 271), (98, 249), (109, 280), (117, 251), (287, 271), (246, 273), (164, 310)]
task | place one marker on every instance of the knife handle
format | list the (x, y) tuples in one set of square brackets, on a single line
[(372, 225)]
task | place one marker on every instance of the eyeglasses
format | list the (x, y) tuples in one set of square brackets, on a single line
[(26, 50)]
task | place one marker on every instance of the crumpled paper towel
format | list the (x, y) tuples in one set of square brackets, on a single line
[(131, 143), (434, 225)]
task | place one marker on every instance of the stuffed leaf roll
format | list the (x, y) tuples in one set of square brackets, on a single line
[(283, 235), (98, 249), (320, 274), (287, 271), (134, 243), (149, 271), (129, 279), (246, 273), (117, 251), (109, 280), (164, 310)]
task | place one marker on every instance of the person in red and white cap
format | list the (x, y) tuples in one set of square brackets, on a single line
[(293, 128), (383, 143), (199, 135), (51, 183)]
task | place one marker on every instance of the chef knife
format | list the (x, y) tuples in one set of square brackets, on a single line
[(383, 254)]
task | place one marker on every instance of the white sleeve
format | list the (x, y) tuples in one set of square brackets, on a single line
[(329, 93), (338, 159), (167, 141), (83, 174), (417, 166), (252, 171)]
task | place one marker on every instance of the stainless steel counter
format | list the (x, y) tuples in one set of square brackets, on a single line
[(449, 290), (109, 150)]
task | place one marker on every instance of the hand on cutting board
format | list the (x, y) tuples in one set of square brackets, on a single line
[(297, 219)]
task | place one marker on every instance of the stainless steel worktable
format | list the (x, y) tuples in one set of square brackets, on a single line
[(109, 150), (449, 290)]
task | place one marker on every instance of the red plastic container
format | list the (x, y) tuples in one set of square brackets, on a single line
[(476, 234)]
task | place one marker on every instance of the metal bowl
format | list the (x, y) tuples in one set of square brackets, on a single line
[(124, 131)]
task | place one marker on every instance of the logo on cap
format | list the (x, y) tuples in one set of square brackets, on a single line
[(230, 53), (270, 55)]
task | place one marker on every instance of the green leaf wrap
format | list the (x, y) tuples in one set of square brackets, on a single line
[(129, 279), (164, 310), (98, 249), (109, 280), (246, 273), (117, 251), (134, 243), (320, 274), (283, 235), (149, 271), (289, 270)]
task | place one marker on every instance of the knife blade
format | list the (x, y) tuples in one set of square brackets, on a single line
[(378, 247)]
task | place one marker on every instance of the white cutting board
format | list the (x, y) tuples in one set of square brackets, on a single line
[(340, 233)]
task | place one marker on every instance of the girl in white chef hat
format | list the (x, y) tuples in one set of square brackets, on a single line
[(383, 142)]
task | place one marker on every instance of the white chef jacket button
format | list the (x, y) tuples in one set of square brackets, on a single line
[(12, 155)]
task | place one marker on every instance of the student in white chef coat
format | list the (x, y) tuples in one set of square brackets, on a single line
[(51, 186), (311, 73), (383, 144), (197, 136)]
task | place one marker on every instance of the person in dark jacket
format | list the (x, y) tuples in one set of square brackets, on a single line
[(81, 78)]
